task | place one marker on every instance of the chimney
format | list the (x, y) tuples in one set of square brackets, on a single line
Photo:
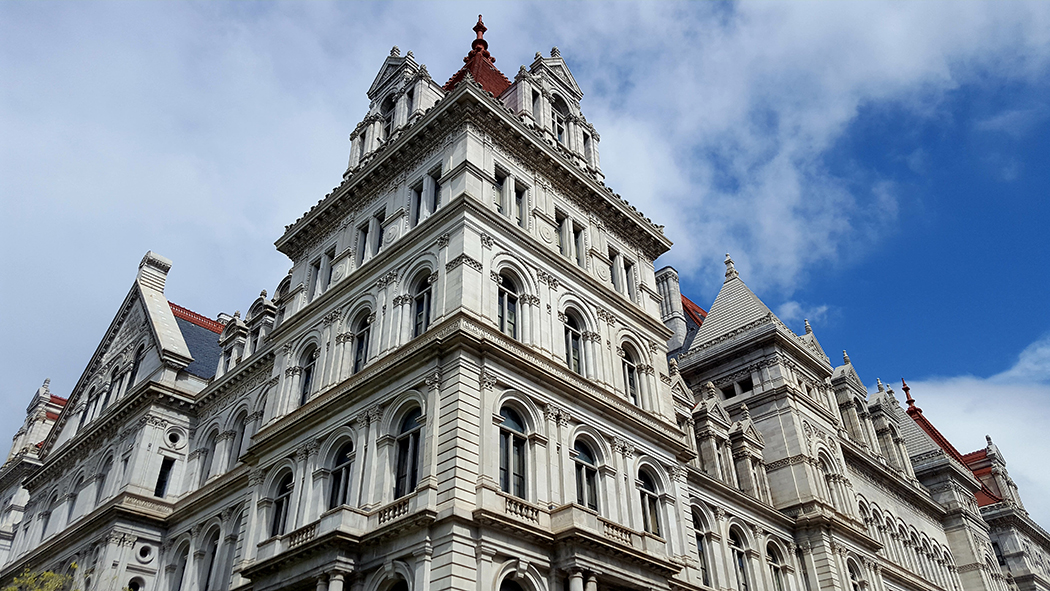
[(153, 271)]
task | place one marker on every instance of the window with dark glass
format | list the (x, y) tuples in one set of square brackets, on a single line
[(630, 375), (573, 344), (739, 552), (421, 305), (380, 218), (508, 306), (776, 567), (362, 245), (162, 479), (500, 187), (103, 478), (701, 548), (386, 111), (562, 220), (211, 549), (586, 476), (361, 335), (435, 190), (307, 362), (339, 478), (417, 203), (520, 205), (135, 365), (512, 453), (407, 469), (577, 241), (650, 504), (281, 502)]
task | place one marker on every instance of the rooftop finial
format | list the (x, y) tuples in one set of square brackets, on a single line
[(730, 268), (47, 382), (262, 293), (480, 29), (555, 52), (988, 438), (395, 51), (237, 314), (809, 329), (845, 358), (882, 388), (907, 392), (747, 413)]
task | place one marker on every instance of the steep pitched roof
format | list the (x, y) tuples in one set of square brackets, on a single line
[(202, 337), (479, 63), (734, 307)]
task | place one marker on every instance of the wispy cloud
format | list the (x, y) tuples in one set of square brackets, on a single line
[(795, 312)]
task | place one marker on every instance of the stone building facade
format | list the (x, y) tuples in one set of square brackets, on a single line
[(473, 377)]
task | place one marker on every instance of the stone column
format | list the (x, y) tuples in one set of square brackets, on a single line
[(335, 581), (423, 556), (576, 581), (592, 583)]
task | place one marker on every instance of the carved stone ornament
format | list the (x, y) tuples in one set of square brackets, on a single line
[(442, 241), (487, 241)]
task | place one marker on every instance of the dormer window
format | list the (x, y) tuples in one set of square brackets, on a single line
[(561, 116), (386, 111)]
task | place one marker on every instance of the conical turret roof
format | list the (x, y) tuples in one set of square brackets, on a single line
[(480, 64), (735, 307)]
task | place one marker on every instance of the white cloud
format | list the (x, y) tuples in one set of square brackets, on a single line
[(794, 312), (1013, 407)]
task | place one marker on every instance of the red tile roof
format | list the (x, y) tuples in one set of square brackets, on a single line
[(195, 318), (58, 400), (51, 416), (695, 313), (479, 62)]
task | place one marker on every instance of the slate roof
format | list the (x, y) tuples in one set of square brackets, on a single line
[(202, 337), (734, 307)]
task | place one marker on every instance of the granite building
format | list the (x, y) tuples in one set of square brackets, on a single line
[(474, 377)]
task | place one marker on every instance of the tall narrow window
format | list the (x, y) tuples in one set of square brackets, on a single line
[(854, 577), (650, 504), (700, 531), (361, 336), (560, 112), (46, 520), (380, 218), (162, 479), (435, 190), (776, 567), (74, 494), (628, 278), (363, 252), (211, 549), (577, 242), (417, 204), (499, 189), (421, 305), (281, 501), (508, 306), (586, 476), (536, 114), (329, 268), (90, 398), (520, 205), (103, 480), (562, 221), (386, 111), (512, 453), (315, 279), (407, 474), (135, 365), (614, 277), (587, 149), (114, 383), (339, 479), (739, 551), (307, 363), (177, 576), (573, 344), (240, 427), (630, 375), (206, 457), (254, 340), (410, 102)]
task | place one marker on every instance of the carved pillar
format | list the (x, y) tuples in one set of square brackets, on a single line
[(576, 581)]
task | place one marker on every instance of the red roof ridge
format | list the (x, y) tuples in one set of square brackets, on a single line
[(695, 313), (195, 318), (480, 64), (58, 400), (975, 455), (51, 416)]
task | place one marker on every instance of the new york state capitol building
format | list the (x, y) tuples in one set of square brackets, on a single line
[(473, 377)]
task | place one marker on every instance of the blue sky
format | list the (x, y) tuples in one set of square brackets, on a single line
[(880, 169)]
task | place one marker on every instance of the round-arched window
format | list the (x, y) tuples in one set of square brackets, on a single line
[(573, 343), (507, 303), (407, 469), (650, 503), (512, 453), (362, 332), (339, 478), (586, 476), (421, 304), (281, 501)]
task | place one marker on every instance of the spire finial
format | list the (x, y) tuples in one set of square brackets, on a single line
[(262, 293), (809, 329), (882, 388), (730, 268), (395, 51), (747, 413), (845, 358), (555, 52), (907, 392), (480, 42), (988, 438), (237, 314), (47, 383)]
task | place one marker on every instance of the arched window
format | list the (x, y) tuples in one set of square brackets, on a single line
[(407, 475), (114, 381), (135, 365), (281, 500), (206, 456), (103, 478), (339, 479), (90, 398), (306, 380), (560, 113), (650, 503), (180, 568), (573, 344), (586, 476), (776, 567), (240, 428), (46, 519), (700, 531), (509, 585), (512, 453), (386, 111), (829, 481), (508, 306), (739, 551), (207, 564), (74, 494), (401, 585), (854, 576), (421, 305), (361, 334), (630, 375)]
